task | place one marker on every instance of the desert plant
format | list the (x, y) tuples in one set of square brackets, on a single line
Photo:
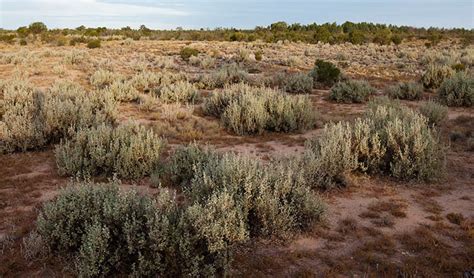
[(179, 92), (251, 110), (187, 52), (298, 83), (389, 139), (123, 91), (129, 151), (435, 113), (457, 90), (350, 91), (405, 90), (435, 75), (228, 74), (325, 72), (93, 43), (103, 78)]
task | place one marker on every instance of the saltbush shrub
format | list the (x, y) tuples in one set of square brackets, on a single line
[(251, 110), (435, 75), (435, 113), (187, 52), (325, 73), (103, 78), (298, 83), (129, 151), (93, 43), (226, 75), (457, 90), (123, 91), (112, 232), (405, 90), (30, 118), (351, 91), (179, 92), (389, 139)]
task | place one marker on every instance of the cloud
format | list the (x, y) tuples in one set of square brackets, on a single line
[(67, 13)]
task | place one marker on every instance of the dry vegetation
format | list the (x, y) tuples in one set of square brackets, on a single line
[(232, 158)]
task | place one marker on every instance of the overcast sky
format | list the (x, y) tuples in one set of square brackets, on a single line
[(229, 13)]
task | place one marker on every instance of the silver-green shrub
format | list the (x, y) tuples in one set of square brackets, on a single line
[(123, 91), (129, 151), (103, 78), (435, 113), (179, 92), (226, 75), (405, 90), (435, 74), (389, 139), (351, 91), (457, 90), (111, 232), (251, 110), (298, 83)]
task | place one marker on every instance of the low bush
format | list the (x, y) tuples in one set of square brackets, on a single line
[(389, 139), (298, 83), (187, 52), (129, 151), (351, 91), (179, 92), (93, 44), (112, 232), (325, 73), (457, 90), (226, 75), (435, 113), (146, 81), (251, 110), (435, 75), (405, 90), (103, 78), (32, 118), (123, 91)]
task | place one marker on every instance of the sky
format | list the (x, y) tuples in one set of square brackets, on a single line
[(195, 14)]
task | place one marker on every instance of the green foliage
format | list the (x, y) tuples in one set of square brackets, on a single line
[(351, 91), (435, 75), (298, 83), (30, 119), (93, 44), (325, 72), (129, 151), (258, 55), (457, 90), (179, 92), (37, 28), (405, 90), (226, 75), (435, 113), (389, 139), (251, 110), (187, 52)]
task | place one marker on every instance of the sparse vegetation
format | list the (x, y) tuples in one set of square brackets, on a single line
[(405, 90), (457, 90), (351, 91)]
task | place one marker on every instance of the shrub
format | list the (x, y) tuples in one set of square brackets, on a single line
[(112, 232), (434, 112), (389, 139), (435, 75), (187, 52), (123, 91), (405, 90), (258, 55), (103, 78), (294, 83), (93, 44), (179, 92), (248, 198), (325, 72), (228, 74), (30, 118), (130, 151), (351, 91), (149, 80), (251, 110), (457, 90)]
